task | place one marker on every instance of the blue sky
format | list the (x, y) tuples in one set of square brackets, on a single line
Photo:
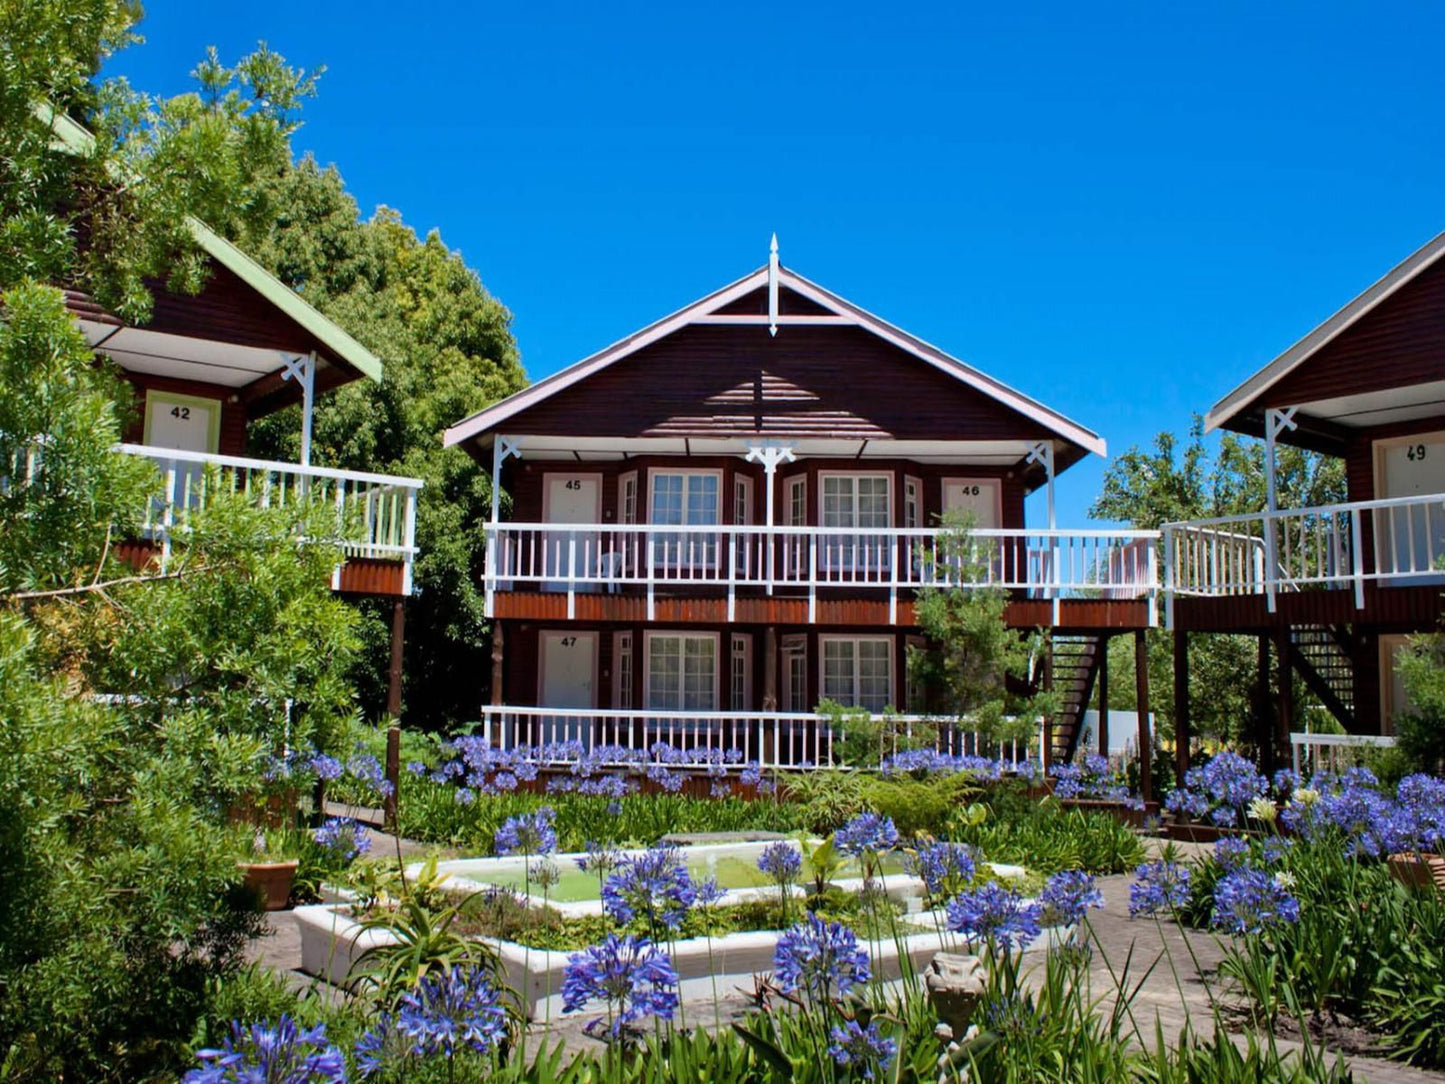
[(1121, 210)]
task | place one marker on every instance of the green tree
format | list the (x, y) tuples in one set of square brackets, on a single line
[(1203, 479)]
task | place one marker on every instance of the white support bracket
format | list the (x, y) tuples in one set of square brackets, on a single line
[(771, 454), (1276, 423), (302, 369), (503, 448)]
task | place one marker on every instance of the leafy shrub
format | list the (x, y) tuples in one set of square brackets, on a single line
[(920, 805), (1048, 839)]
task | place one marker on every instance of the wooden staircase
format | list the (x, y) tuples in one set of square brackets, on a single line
[(1075, 669), (1323, 657)]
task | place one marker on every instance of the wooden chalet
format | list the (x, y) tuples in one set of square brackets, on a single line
[(1334, 590), (721, 521), (204, 366)]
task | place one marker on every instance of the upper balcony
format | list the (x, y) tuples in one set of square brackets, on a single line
[(1308, 564), (817, 575), (375, 513)]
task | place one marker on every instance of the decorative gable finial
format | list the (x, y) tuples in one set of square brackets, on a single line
[(773, 286)]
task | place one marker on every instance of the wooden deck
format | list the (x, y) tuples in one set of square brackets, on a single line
[(1404, 608)]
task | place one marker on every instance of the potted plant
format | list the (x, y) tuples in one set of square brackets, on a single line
[(269, 873), (1097, 786)]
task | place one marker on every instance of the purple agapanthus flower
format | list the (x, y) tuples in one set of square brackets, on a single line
[(867, 833), (629, 974), (1248, 901), (653, 887), (994, 913), (343, 837), (383, 1048), (781, 861), (457, 1010), (527, 833), (262, 1054), (708, 892), (327, 767), (1067, 896), (1159, 886), (864, 1050), (599, 858), (819, 959), (1231, 851), (945, 868)]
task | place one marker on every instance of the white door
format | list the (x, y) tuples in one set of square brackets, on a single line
[(977, 500), (573, 555), (1410, 538), (183, 426), (569, 680)]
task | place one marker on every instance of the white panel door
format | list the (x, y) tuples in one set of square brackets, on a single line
[(977, 498), (569, 680), (185, 427), (573, 498), (1411, 538)]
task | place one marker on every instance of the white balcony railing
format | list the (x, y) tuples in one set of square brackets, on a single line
[(774, 739), (1311, 548), (649, 558), (375, 513)]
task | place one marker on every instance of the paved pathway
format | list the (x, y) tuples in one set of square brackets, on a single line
[(1179, 986)]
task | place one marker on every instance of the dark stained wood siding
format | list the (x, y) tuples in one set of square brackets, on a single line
[(1400, 343), (709, 381)]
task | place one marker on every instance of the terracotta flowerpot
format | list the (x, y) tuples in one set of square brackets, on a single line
[(1418, 870), (271, 882)]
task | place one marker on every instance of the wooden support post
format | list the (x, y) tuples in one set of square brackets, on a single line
[(393, 708), (766, 732), (1284, 718), (1181, 705), (1141, 706), (1104, 696), (1263, 708)]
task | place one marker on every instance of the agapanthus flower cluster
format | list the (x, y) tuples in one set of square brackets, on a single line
[(383, 1048), (263, 1054), (1159, 886), (1350, 808), (944, 868), (327, 767), (629, 974), (994, 914), (449, 1012), (1012, 1018), (781, 862), (1231, 851), (343, 837), (1219, 791), (527, 833), (921, 763), (708, 892), (653, 887), (599, 859), (1094, 779), (1248, 901), (367, 770), (865, 1050), (1067, 896), (866, 834), (819, 960)]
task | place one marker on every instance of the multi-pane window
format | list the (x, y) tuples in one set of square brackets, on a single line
[(742, 500), (858, 672), (622, 688), (685, 499), (912, 503), (682, 672), (797, 502), (740, 700), (795, 674), (851, 500), (627, 498)]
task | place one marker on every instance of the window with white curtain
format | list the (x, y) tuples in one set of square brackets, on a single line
[(858, 672)]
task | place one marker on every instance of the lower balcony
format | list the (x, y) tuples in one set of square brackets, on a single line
[(815, 575), (375, 513), (772, 739)]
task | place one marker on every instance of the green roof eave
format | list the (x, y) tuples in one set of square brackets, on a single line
[(70, 137), (341, 345)]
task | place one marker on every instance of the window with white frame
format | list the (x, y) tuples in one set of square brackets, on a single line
[(855, 500), (797, 502), (858, 672), (741, 675), (742, 500), (685, 499), (912, 502), (622, 667), (682, 671), (795, 673), (627, 498)]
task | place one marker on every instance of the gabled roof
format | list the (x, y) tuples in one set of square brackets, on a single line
[(843, 312), (73, 138), (1399, 276)]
